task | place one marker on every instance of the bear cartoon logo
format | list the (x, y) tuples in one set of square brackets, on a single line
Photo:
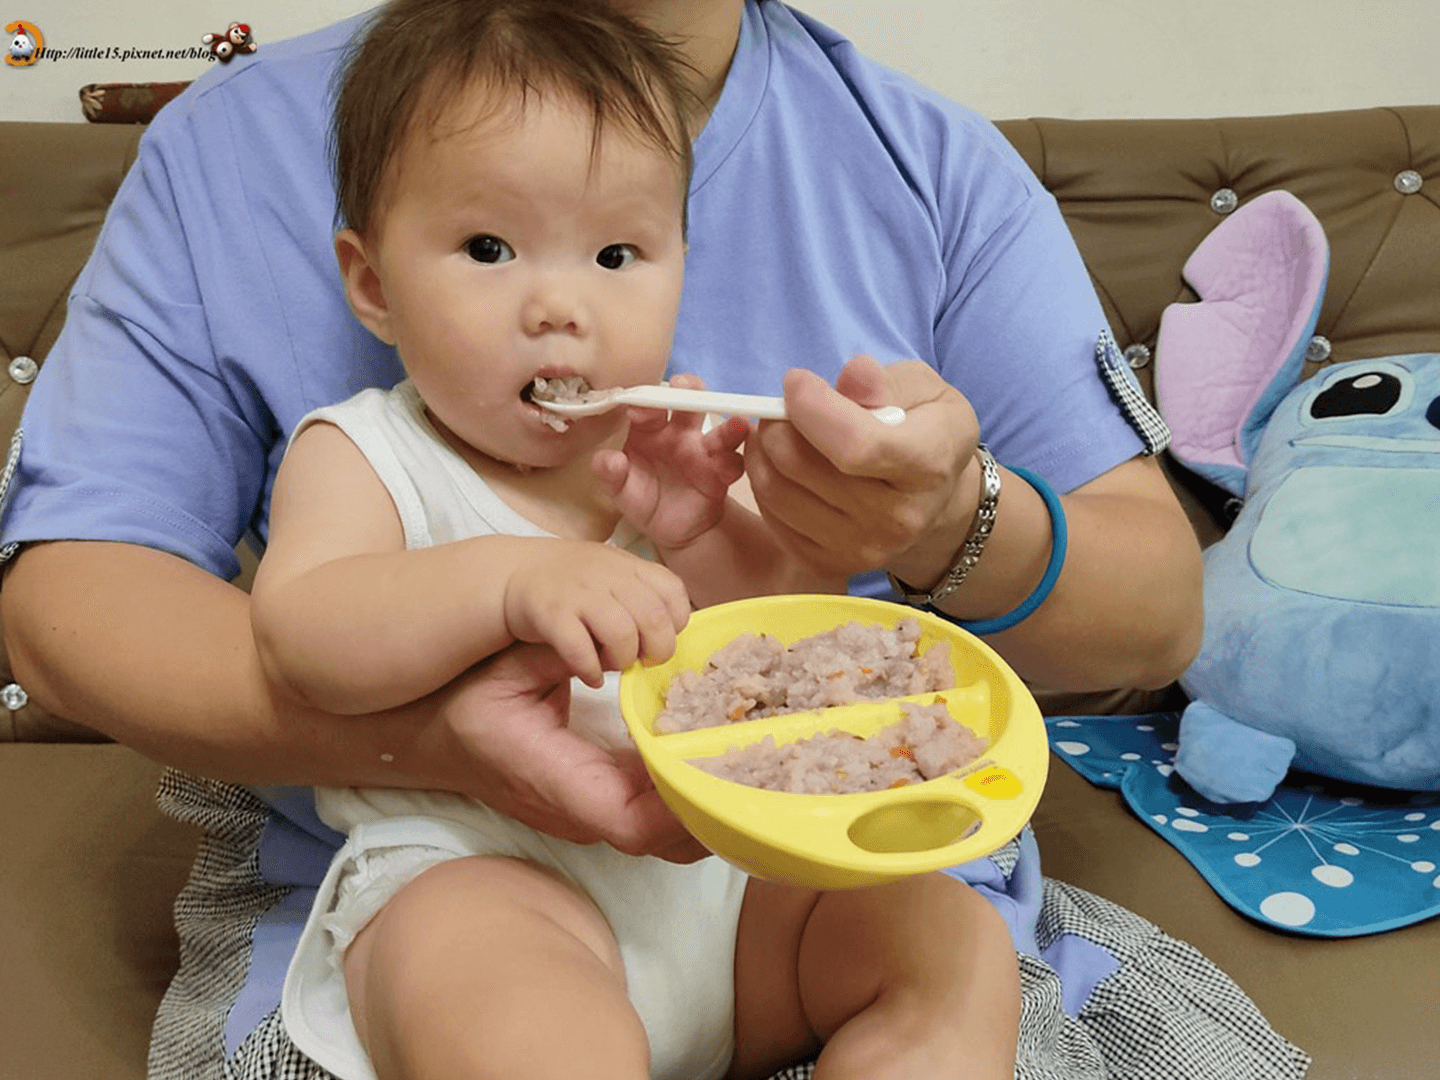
[(235, 40)]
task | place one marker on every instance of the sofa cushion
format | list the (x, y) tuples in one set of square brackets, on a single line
[(90, 877), (1362, 1007)]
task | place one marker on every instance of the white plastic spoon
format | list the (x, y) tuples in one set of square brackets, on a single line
[(674, 397)]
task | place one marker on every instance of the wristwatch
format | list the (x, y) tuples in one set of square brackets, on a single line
[(974, 545)]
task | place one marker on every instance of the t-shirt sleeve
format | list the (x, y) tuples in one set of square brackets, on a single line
[(130, 433), (1017, 321), (1018, 331)]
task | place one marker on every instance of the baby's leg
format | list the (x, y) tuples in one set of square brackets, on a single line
[(493, 967), (910, 980)]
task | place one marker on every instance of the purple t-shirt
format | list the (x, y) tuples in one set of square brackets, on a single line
[(837, 207)]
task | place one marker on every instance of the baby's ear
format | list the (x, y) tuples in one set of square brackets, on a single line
[(362, 284)]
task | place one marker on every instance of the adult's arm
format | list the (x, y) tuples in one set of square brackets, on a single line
[(854, 495), (159, 655)]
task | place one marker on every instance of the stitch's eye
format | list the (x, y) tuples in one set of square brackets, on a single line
[(1371, 393)]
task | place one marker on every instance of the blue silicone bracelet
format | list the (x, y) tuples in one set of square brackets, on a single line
[(1058, 540)]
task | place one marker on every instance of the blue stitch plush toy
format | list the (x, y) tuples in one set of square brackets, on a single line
[(1322, 604)]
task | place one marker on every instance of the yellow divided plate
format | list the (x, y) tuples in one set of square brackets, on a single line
[(844, 841)]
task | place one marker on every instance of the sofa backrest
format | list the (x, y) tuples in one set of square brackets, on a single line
[(1139, 195)]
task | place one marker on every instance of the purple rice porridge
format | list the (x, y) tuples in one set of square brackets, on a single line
[(567, 388), (756, 676), (925, 744)]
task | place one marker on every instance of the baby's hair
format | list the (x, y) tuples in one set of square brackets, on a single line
[(416, 55)]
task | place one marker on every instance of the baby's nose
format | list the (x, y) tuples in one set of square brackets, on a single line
[(554, 306)]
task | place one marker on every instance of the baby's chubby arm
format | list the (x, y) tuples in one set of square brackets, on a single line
[(684, 488), (347, 620)]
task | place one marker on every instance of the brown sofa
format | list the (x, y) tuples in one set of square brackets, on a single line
[(88, 868)]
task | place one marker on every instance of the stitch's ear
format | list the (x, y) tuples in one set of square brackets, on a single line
[(1223, 364)]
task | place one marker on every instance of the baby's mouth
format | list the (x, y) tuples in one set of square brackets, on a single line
[(562, 388), (558, 388)]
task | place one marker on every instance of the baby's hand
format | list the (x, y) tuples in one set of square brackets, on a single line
[(671, 479), (599, 607)]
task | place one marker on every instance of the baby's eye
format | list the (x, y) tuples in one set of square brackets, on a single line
[(616, 256), (489, 249)]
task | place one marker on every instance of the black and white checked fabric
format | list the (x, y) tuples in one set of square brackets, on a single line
[(268, 1054), (1143, 417), (1166, 1013), (1006, 858), (215, 916), (7, 476)]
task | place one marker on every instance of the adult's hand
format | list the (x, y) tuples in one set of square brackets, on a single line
[(851, 494), (507, 721), (848, 493)]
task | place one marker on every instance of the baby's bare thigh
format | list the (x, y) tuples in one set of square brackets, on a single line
[(808, 963), (499, 938), (771, 1028)]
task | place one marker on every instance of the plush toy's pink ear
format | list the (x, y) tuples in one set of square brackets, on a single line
[(1223, 364)]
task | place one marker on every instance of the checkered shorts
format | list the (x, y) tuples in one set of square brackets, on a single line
[(1165, 1013)]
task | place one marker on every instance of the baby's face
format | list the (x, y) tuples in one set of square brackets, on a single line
[(506, 250)]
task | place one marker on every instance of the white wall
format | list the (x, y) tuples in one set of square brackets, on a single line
[(1007, 58), (1153, 58)]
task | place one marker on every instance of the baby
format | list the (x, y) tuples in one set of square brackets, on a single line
[(512, 178)]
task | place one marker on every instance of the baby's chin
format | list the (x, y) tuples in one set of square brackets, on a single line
[(528, 444), (550, 449)]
